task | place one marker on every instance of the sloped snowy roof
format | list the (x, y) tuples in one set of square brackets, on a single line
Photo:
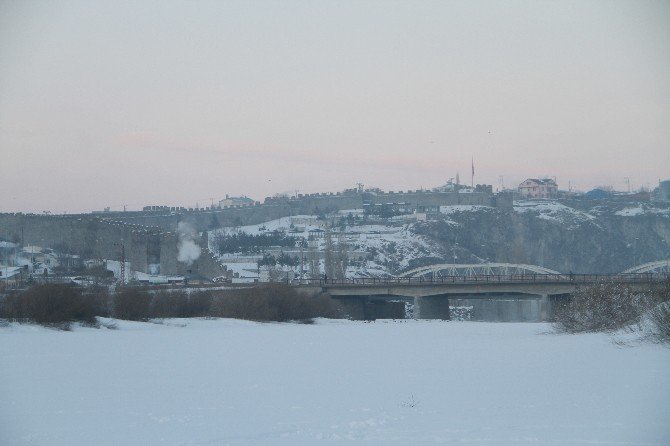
[(7, 272)]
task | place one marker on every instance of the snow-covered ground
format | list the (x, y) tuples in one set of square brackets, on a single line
[(219, 382), (553, 211), (642, 210), (393, 243)]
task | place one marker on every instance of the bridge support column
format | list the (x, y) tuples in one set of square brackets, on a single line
[(432, 307), (545, 308)]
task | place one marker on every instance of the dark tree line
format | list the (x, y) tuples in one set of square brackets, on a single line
[(249, 243), (282, 259), (59, 305)]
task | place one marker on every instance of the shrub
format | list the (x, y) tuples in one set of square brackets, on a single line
[(273, 302), (660, 313), (199, 304), (169, 304), (52, 305), (132, 304), (602, 307), (180, 304), (62, 304), (660, 317)]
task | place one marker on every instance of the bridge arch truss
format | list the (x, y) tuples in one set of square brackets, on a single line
[(657, 267), (478, 269)]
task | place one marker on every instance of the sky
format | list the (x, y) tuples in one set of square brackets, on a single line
[(131, 103)]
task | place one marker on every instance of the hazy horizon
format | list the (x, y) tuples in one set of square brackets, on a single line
[(172, 103)]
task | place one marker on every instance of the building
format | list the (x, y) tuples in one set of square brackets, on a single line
[(230, 202), (12, 276), (662, 192), (536, 188), (8, 253)]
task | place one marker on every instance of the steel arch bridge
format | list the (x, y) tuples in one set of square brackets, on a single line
[(478, 269), (657, 267)]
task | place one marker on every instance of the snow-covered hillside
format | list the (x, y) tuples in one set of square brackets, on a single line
[(553, 211), (224, 382), (556, 234), (375, 249)]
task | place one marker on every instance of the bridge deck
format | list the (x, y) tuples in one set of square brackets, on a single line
[(588, 279)]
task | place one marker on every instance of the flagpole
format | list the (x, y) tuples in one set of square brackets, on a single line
[(472, 179)]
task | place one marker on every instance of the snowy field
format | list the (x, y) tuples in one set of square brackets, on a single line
[(218, 382)]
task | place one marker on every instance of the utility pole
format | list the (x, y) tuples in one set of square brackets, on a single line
[(302, 259), (122, 264), (627, 179), (122, 274)]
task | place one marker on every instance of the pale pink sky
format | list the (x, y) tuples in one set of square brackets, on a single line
[(140, 102)]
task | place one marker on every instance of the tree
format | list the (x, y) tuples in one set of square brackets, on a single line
[(605, 306), (341, 259), (329, 259)]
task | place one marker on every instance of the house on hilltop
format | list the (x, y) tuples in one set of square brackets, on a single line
[(229, 202), (538, 188)]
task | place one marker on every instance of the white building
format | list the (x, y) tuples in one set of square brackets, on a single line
[(535, 188), (235, 201)]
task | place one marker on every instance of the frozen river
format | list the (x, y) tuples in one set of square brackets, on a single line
[(219, 382)]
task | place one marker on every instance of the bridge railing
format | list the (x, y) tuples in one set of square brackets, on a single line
[(483, 279)]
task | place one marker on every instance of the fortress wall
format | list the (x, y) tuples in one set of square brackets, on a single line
[(273, 208), (88, 237), (317, 203), (47, 231), (91, 237), (168, 253), (150, 237), (210, 219), (429, 198)]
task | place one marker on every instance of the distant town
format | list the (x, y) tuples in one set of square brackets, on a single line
[(358, 232)]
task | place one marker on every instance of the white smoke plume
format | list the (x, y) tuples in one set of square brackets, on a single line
[(189, 251)]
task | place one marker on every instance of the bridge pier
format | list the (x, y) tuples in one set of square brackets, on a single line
[(545, 308), (432, 307)]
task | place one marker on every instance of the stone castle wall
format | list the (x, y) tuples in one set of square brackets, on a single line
[(92, 237), (277, 207), (150, 238), (431, 199)]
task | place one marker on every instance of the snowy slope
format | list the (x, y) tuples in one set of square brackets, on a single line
[(553, 211), (393, 245), (532, 233), (641, 210), (241, 383)]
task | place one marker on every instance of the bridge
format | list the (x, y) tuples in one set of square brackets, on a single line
[(430, 288)]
